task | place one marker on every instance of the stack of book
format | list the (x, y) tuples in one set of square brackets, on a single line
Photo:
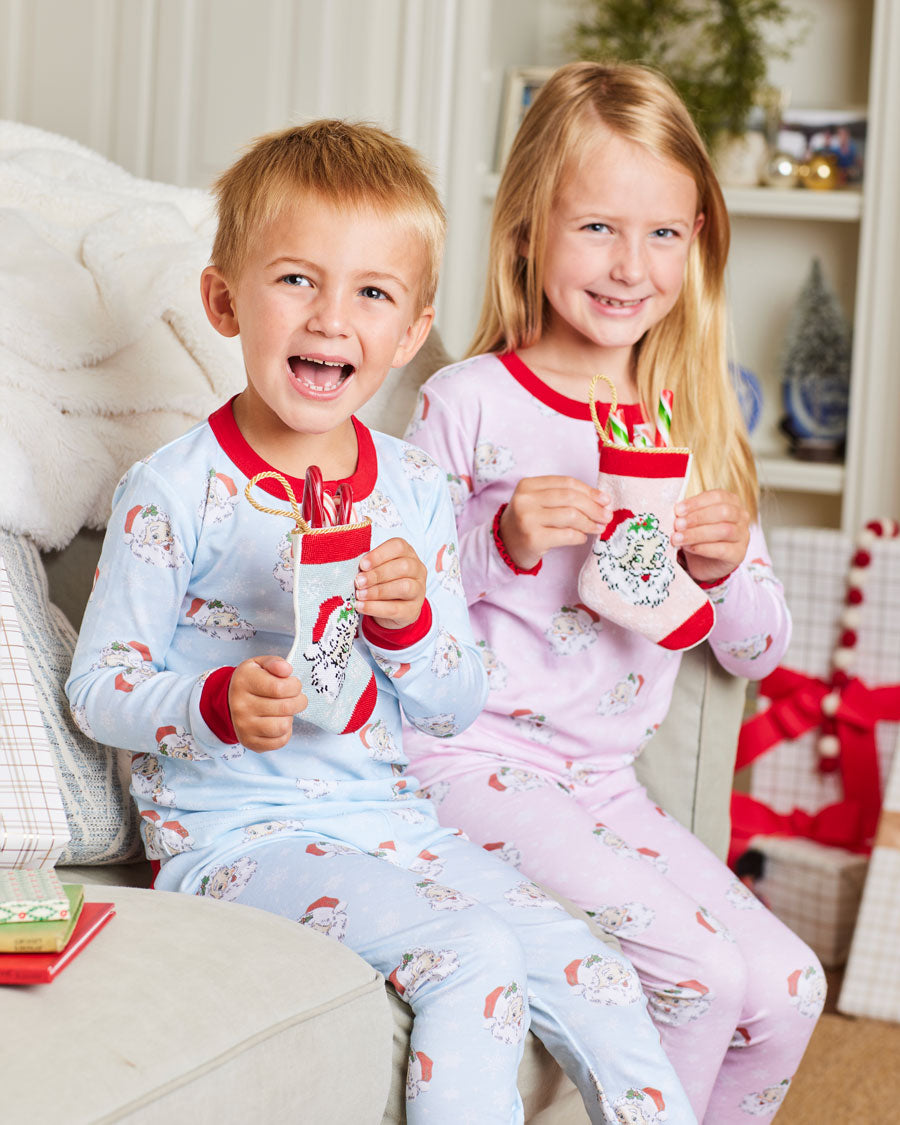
[(43, 925)]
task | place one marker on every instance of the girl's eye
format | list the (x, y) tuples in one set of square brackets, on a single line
[(296, 279), (374, 293), (597, 227), (665, 233)]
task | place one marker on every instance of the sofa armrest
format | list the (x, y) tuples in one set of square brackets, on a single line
[(688, 765)]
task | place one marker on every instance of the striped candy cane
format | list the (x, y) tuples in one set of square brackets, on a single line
[(664, 420)]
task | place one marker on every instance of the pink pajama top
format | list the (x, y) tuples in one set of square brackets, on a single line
[(570, 692)]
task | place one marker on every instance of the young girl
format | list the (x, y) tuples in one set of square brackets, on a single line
[(607, 256)]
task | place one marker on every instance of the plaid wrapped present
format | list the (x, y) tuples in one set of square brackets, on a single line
[(813, 889), (872, 978), (33, 827), (813, 564)]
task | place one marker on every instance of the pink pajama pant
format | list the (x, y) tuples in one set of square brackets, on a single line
[(734, 993)]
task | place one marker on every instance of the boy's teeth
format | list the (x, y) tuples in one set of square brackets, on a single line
[(318, 374)]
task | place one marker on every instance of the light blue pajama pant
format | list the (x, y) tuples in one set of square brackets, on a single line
[(480, 954)]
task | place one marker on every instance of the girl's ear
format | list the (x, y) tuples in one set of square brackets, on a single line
[(414, 337), (218, 302), (698, 225)]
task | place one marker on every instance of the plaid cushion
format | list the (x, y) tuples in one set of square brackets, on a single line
[(32, 821), (93, 779)]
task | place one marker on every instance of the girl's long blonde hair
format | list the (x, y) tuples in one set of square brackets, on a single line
[(686, 350)]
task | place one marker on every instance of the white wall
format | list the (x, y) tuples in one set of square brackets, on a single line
[(172, 89)]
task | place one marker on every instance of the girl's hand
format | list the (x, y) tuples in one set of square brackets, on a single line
[(263, 697), (713, 530), (390, 587), (546, 512)]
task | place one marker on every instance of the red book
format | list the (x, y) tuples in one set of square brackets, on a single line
[(41, 968)]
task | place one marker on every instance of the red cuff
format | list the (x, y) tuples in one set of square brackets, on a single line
[(214, 705), (501, 547), (712, 583), (398, 638)]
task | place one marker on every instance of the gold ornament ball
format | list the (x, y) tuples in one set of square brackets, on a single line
[(781, 171), (820, 172)]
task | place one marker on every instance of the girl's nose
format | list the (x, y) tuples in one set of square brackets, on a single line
[(628, 264)]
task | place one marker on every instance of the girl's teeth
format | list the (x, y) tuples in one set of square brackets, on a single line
[(618, 304)]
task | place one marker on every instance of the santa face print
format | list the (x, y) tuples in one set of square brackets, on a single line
[(326, 303)]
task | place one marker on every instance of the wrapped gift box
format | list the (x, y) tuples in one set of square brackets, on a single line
[(872, 978), (33, 827), (813, 889), (813, 564)]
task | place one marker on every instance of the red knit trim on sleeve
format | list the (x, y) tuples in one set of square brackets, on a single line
[(501, 547), (398, 638), (214, 705), (713, 582)]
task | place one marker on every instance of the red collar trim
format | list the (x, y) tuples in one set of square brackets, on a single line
[(631, 411), (235, 445)]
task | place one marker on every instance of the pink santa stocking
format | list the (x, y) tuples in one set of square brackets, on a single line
[(632, 575)]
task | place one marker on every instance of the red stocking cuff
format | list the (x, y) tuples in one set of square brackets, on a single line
[(398, 638), (214, 705), (501, 546)]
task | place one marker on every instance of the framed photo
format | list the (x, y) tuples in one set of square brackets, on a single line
[(840, 134), (522, 84)]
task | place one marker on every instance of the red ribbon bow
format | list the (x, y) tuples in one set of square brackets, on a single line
[(796, 708)]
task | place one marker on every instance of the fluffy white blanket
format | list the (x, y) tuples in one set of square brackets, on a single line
[(105, 351)]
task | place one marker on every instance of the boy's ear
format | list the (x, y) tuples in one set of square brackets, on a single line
[(218, 302), (414, 337)]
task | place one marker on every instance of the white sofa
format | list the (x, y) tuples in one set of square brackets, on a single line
[(202, 1011), (185, 1009)]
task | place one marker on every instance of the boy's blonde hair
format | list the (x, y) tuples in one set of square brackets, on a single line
[(686, 350), (349, 164)]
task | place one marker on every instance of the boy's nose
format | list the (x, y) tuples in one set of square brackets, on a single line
[(328, 315)]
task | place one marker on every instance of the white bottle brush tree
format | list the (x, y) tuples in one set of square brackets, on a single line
[(816, 368)]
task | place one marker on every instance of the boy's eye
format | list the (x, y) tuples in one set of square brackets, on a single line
[(374, 293), (295, 279)]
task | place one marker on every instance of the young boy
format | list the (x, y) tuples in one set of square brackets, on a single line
[(325, 262)]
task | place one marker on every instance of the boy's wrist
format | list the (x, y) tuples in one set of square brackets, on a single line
[(214, 705), (404, 637)]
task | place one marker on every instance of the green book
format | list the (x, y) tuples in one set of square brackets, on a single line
[(43, 937)]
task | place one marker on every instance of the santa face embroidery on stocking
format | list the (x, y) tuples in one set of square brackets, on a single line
[(332, 640), (631, 558)]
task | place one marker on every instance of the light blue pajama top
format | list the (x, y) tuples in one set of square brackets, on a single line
[(193, 579)]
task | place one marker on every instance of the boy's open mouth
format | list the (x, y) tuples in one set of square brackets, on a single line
[(318, 376)]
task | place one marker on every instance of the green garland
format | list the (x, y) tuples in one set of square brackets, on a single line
[(715, 52)]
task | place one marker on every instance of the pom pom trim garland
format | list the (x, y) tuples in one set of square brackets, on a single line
[(844, 654)]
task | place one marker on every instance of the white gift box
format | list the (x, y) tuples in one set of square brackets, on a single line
[(813, 889), (33, 829), (872, 978)]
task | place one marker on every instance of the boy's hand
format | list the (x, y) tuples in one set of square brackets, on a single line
[(264, 695), (713, 530), (390, 586), (546, 512)]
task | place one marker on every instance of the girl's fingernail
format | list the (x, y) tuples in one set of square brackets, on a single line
[(676, 538)]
